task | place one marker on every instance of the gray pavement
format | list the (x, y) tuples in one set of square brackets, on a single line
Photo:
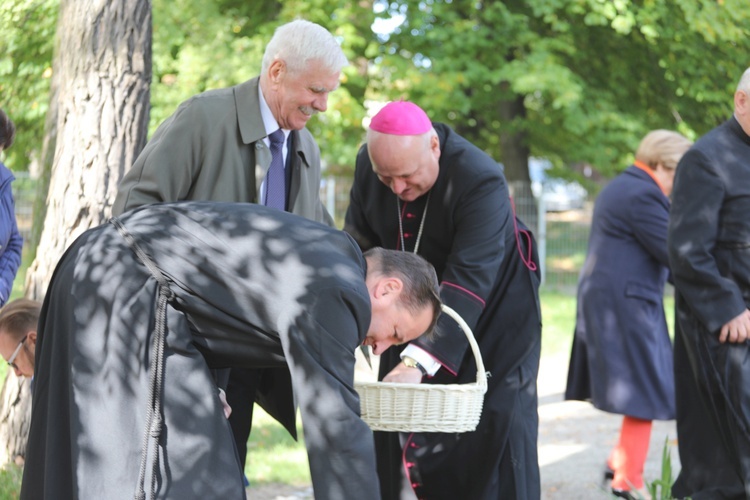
[(575, 440)]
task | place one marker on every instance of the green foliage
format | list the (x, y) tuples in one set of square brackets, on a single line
[(27, 36), (592, 76), (595, 76), (10, 482), (198, 46), (661, 489)]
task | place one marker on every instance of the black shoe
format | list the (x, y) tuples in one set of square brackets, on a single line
[(609, 474), (623, 494)]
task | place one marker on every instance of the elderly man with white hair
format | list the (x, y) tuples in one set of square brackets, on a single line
[(248, 143)]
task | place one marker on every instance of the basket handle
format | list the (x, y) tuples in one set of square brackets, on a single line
[(481, 374)]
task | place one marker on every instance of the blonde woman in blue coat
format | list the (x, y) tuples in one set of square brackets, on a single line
[(622, 354)]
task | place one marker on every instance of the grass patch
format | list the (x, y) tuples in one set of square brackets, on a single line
[(566, 245), (272, 455), (558, 321)]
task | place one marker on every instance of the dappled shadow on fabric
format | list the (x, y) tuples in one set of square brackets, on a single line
[(244, 280)]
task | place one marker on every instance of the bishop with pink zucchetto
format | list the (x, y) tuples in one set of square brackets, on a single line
[(401, 118), (420, 187)]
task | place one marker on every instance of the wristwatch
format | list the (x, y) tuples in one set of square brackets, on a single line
[(413, 363)]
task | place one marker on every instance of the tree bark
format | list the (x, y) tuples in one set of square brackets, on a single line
[(15, 399), (104, 61), (104, 66), (39, 210), (515, 156)]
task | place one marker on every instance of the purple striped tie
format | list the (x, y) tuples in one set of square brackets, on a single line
[(275, 178)]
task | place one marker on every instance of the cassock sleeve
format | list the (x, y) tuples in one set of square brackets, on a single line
[(355, 222), (482, 215)]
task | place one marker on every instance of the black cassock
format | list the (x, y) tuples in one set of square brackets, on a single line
[(478, 249), (244, 286), (709, 244)]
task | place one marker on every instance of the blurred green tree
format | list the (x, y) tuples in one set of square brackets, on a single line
[(576, 81)]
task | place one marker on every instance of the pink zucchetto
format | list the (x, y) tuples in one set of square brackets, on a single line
[(401, 118)]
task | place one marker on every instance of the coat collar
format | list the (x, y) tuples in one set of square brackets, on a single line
[(248, 111), (640, 165), (737, 129), (250, 120)]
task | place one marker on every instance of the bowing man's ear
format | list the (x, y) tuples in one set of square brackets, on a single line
[(389, 287)]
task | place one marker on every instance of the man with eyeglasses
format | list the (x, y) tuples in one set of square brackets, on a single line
[(18, 323)]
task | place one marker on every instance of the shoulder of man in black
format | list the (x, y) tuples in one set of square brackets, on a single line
[(457, 150)]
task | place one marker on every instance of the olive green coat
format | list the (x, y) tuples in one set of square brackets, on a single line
[(211, 148)]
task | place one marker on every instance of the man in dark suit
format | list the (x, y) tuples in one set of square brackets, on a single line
[(138, 312), (217, 147), (709, 238), (422, 188)]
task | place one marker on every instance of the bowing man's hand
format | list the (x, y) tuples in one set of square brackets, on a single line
[(737, 330), (224, 404), (404, 375)]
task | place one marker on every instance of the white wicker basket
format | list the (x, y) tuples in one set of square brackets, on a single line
[(396, 407)]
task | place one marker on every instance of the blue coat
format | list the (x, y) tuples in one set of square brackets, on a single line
[(622, 355), (11, 242)]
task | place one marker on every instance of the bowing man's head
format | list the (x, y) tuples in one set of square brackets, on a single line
[(404, 296)]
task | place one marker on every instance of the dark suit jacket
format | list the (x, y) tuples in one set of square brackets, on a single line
[(709, 253), (253, 287)]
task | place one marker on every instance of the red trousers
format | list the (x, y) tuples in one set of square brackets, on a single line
[(629, 455)]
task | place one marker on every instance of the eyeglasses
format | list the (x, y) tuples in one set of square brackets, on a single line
[(15, 353)]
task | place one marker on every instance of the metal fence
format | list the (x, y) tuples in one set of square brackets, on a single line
[(562, 237), (24, 192)]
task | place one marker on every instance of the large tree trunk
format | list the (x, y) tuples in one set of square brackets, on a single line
[(39, 209), (515, 155), (104, 65), (15, 399), (105, 72)]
